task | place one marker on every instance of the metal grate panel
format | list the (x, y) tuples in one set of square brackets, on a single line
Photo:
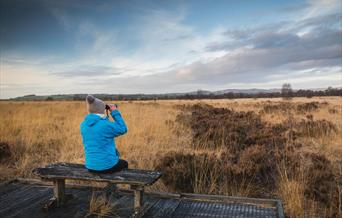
[(207, 209), (163, 208)]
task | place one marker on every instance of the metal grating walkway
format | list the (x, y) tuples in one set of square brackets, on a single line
[(206, 209), (24, 199)]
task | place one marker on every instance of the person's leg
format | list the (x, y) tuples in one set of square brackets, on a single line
[(111, 189), (122, 164), (93, 171)]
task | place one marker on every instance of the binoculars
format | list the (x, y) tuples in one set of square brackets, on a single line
[(108, 107)]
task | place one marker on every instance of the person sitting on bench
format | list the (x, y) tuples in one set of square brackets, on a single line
[(98, 133)]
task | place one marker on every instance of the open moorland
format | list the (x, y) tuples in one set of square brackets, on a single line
[(272, 148)]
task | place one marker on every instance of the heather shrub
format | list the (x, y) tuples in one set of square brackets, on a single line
[(285, 107), (251, 152), (333, 111), (182, 171), (323, 184), (255, 165), (308, 107), (320, 172), (5, 152), (208, 173), (282, 107), (219, 127), (315, 128)]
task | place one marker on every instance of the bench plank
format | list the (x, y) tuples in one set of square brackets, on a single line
[(79, 172)]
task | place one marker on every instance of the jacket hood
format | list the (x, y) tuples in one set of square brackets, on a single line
[(91, 119)]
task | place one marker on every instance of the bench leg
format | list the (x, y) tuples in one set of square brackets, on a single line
[(138, 197), (59, 197), (59, 191), (111, 190)]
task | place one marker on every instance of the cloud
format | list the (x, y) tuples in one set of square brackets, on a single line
[(180, 37), (171, 82), (332, 20), (259, 55), (26, 78), (62, 18), (267, 52), (322, 7), (295, 8), (160, 51), (281, 33), (90, 71), (237, 38), (103, 41)]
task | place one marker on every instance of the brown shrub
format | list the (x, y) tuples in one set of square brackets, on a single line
[(253, 152), (277, 108), (315, 128), (333, 111), (5, 152), (255, 166), (285, 107), (322, 184), (308, 107), (258, 165), (257, 161), (309, 116), (220, 127), (179, 170)]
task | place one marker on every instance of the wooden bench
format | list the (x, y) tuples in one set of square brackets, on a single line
[(59, 172)]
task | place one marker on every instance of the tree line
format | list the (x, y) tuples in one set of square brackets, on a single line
[(286, 92)]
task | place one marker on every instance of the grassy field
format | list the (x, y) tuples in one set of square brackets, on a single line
[(193, 141)]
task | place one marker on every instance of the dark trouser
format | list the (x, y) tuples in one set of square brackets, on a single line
[(122, 164)]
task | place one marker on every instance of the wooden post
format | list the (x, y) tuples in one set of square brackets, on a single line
[(138, 197), (59, 191)]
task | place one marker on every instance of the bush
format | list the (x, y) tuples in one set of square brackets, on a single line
[(251, 152), (255, 166), (308, 107), (5, 152), (181, 171), (315, 128), (219, 127), (277, 108), (322, 184), (285, 107)]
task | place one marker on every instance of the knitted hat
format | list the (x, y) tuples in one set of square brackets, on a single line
[(95, 105)]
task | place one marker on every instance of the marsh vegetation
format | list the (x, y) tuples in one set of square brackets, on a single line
[(274, 148)]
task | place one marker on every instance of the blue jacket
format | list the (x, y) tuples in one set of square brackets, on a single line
[(98, 140)]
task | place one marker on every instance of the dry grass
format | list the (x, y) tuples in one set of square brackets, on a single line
[(291, 190), (100, 206), (37, 133)]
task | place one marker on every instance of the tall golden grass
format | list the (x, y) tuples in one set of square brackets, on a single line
[(39, 133)]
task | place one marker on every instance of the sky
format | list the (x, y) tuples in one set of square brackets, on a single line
[(143, 46)]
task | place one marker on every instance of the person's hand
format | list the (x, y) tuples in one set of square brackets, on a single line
[(113, 107)]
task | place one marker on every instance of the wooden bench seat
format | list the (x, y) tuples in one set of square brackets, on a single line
[(59, 172)]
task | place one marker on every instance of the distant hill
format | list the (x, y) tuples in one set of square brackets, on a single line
[(246, 91), (227, 93)]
